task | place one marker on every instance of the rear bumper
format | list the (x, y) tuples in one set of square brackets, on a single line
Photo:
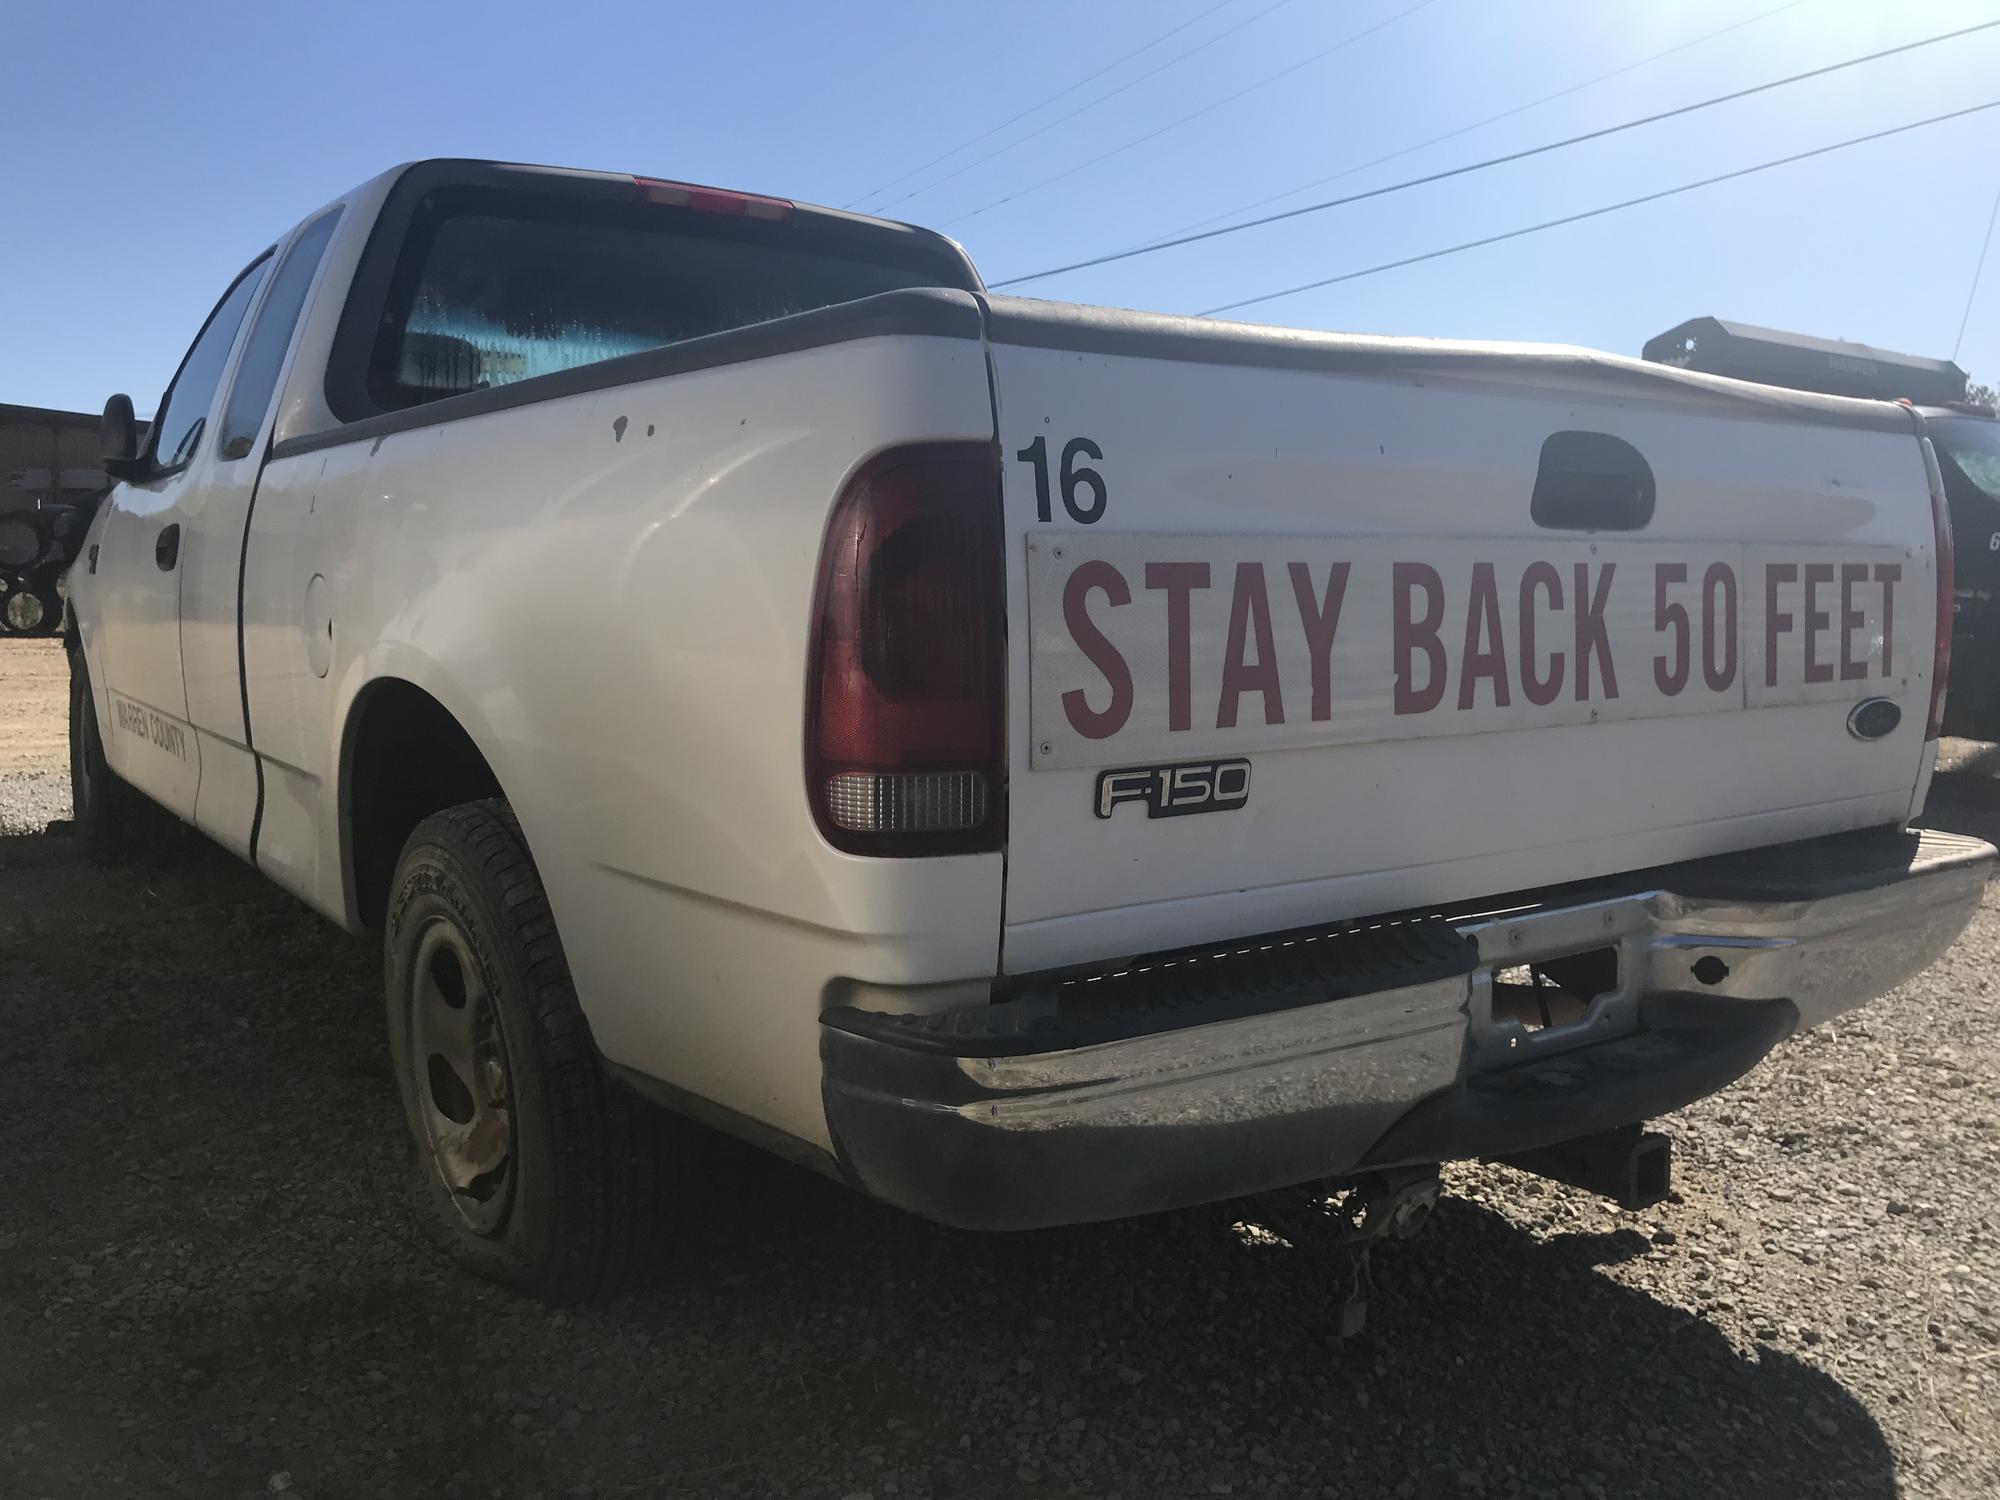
[(1208, 1075)]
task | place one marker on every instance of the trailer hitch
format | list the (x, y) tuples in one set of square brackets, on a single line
[(1392, 1205), (1387, 1205), (1631, 1165)]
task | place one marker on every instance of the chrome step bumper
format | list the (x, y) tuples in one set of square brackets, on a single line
[(1207, 1075)]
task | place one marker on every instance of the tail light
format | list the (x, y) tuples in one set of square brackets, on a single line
[(712, 200), (1941, 532), (904, 713)]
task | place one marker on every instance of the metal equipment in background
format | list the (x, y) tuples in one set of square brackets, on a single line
[(1770, 356), (50, 485), (1965, 434)]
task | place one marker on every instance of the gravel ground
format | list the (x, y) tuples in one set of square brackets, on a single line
[(34, 735), (209, 1286)]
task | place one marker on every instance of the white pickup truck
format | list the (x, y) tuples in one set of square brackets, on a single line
[(1031, 762)]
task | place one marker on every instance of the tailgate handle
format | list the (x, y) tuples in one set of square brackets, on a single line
[(1592, 481)]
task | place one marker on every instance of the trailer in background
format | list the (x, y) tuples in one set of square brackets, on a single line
[(50, 484), (1800, 362)]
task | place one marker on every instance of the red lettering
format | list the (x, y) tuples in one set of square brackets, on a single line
[(1412, 635), (1591, 636), (1096, 724), (1488, 660), (1720, 579), (1540, 690), (1888, 575), (1320, 617), (1249, 609), (1670, 679), (1851, 620), (1817, 620), (1178, 579), (1776, 622)]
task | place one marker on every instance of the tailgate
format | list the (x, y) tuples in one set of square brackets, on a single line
[(1304, 640)]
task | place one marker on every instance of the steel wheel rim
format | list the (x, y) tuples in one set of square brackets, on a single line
[(458, 1062)]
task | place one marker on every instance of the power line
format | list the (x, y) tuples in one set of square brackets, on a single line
[(1505, 114), (1059, 94), (1492, 161), (1973, 290), (1609, 208), (1196, 115), (1178, 57)]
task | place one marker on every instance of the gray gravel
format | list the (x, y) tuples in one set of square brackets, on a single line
[(31, 800), (209, 1286)]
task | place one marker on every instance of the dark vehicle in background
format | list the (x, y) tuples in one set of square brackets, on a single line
[(1965, 434), (50, 485), (1968, 448)]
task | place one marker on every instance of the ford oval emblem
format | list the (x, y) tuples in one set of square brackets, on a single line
[(1872, 718)]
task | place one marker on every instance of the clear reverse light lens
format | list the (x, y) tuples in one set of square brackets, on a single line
[(906, 801)]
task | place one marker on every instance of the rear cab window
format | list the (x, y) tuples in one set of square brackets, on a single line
[(484, 284)]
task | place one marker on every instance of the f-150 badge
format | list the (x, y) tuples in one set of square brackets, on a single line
[(1196, 786)]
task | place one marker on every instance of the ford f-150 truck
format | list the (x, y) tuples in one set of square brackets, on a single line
[(1033, 763)]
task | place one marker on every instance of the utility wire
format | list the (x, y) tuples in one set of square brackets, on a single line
[(1059, 94), (1505, 114), (1324, 52), (1227, 31), (1973, 290), (1609, 208), (1492, 161)]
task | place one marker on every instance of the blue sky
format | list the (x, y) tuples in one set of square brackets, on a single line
[(148, 151)]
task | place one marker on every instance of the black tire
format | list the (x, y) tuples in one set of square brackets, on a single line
[(547, 1176), (108, 813)]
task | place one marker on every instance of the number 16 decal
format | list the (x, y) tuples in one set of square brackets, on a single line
[(1071, 478)]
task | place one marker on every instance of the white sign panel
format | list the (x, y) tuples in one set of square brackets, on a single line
[(1151, 648)]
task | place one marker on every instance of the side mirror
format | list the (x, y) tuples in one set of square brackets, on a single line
[(118, 439)]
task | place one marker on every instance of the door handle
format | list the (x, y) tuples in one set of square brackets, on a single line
[(1592, 481), (167, 550)]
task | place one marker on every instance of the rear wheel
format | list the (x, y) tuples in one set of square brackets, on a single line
[(537, 1169)]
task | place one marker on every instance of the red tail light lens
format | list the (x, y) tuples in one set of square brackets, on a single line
[(904, 711), (1941, 532)]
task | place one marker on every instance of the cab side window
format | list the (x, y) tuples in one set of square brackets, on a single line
[(270, 336), (183, 415)]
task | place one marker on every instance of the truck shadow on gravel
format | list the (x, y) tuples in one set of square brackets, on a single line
[(209, 1277)]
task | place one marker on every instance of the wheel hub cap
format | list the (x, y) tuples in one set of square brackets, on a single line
[(461, 1079)]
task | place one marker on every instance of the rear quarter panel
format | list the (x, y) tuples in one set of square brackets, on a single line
[(612, 591)]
